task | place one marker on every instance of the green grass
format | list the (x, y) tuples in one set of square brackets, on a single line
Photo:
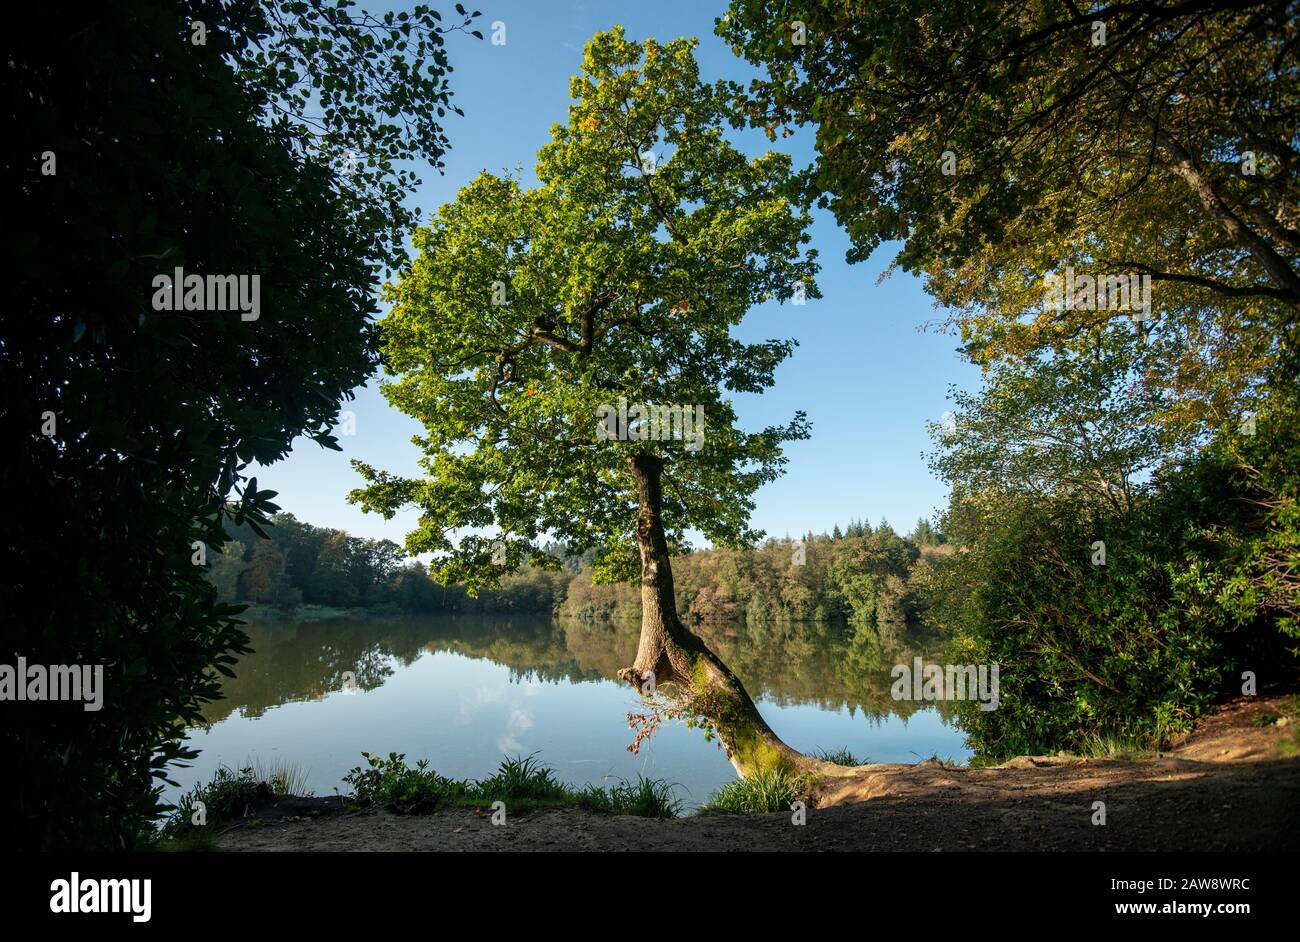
[(840, 757), (521, 780), (644, 798), (1114, 746), (1288, 717), (283, 778), (225, 799), (522, 783), (1289, 745), (761, 793), (948, 762), (391, 783)]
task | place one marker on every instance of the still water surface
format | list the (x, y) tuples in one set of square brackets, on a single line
[(464, 691)]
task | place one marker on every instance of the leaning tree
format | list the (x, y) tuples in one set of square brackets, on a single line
[(560, 342)]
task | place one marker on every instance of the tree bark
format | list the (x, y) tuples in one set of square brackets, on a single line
[(674, 655), (1277, 267)]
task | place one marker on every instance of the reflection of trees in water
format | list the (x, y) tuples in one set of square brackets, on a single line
[(533, 649), (834, 666), (305, 661)]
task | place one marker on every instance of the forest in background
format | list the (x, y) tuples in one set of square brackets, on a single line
[(1125, 483), (861, 573)]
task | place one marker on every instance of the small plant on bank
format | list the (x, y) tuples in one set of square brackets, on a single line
[(226, 797), (644, 798), (1288, 715), (764, 792), (522, 782), (281, 777), (1115, 746), (390, 783), (522, 779), (840, 757)]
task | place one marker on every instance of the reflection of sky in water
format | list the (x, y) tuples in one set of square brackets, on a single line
[(463, 714)]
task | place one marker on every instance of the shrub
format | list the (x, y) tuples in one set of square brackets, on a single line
[(390, 783), (520, 782), (1133, 650)]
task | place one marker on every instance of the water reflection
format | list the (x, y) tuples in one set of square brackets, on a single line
[(462, 690)]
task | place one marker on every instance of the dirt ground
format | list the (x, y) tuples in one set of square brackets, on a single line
[(1226, 786)]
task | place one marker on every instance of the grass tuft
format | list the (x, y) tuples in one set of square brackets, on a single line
[(521, 779), (840, 757), (1114, 746), (644, 798), (281, 776), (225, 798), (772, 790)]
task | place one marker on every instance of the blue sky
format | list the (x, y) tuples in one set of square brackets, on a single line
[(865, 373)]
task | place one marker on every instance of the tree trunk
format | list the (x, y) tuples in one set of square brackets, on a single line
[(674, 655), (1277, 267)]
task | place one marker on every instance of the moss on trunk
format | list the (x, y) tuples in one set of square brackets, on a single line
[(675, 656)]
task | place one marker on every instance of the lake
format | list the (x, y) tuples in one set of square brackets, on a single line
[(464, 691)]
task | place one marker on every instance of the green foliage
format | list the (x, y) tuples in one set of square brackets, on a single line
[(281, 777), (390, 783), (521, 778), (1200, 574), (1000, 144), (840, 757), (1111, 746), (200, 156), (521, 782), (353, 91), (1257, 543), (526, 311), (1075, 419), (304, 569), (925, 534), (1113, 157), (644, 798), (225, 798), (767, 791), (1289, 720), (871, 574), (871, 579)]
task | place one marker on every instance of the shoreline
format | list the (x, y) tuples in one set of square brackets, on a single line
[(1227, 785)]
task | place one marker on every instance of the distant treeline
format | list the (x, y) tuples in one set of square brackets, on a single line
[(300, 564), (859, 573)]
